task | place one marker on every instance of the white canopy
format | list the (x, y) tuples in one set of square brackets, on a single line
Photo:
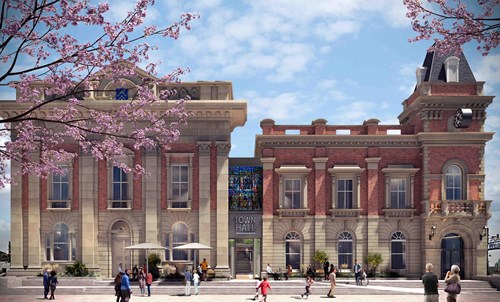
[(146, 246), (193, 246)]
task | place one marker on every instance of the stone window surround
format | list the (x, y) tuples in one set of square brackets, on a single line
[(351, 172), (406, 173), (465, 178), (128, 159), (293, 172), (186, 159), (71, 239), (69, 172)]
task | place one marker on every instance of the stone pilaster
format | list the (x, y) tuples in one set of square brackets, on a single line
[(33, 231), (222, 207), (204, 197), (320, 203), (89, 219), (267, 206), (151, 195), (16, 219)]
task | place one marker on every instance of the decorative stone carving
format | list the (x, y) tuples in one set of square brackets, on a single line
[(223, 149), (204, 149)]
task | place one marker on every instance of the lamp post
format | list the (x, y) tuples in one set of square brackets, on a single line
[(487, 229)]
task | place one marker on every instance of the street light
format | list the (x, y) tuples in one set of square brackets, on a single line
[(433, 231)]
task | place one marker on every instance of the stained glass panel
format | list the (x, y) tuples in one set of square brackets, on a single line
[(245, 188)]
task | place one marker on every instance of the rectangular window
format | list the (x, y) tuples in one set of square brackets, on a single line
[(398, 193), (345, 193), (180, 186), (292, 194), (345, 253), (47, 247), (120, 188), (59, 190), (397, 255)]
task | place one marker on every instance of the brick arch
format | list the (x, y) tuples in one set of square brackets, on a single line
[(455, 161)]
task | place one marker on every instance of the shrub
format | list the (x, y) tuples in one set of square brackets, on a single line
[(373, 260), (77, 269), (153, 261)]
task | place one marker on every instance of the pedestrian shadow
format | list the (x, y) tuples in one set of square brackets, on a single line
[(296, 297)]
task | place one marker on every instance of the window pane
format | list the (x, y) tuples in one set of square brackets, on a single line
[(397, 262), (124, 191), (341, 185), (116, 174), (397, 247), (288, 184), (184, 173), (56, 191), (296, 200), (349, 185), (175, 173), (349, 200), (296, 185), (64, 191)]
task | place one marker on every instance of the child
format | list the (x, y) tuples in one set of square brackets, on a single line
[(264, 285), (257, 289), (309, 282)]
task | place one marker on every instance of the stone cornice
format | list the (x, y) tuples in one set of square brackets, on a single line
[(277, 141), (454, 138)]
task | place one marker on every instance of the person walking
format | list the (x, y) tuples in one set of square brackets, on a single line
[(125, 289), (187, 282), (53, 284), (357, 269), (431, 283), (142, 281), (149, 281), (135, 272), (196, 281), (333, 283), (309, 283), (257, 287), (45, 283), (118, 284), (264, 286), (452, 279)]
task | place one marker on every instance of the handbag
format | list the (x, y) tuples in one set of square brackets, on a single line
[(453, 288)]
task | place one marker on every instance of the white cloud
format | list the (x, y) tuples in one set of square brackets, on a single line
[(283, 108), (4, 235)]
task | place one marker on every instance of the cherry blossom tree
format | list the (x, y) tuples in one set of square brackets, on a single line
[(452, 23), (55, 75)]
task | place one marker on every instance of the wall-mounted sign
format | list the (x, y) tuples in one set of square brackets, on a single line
[(463, 117), (245, 225)]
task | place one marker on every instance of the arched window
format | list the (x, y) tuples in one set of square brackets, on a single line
[(61, 242), (180, 237), (453, 183), (345, 249), (398, 251), (292, 250)]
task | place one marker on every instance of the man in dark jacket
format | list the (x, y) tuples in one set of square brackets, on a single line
[(430, 281), (45, 284)]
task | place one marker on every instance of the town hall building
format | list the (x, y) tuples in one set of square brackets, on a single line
[(413, 192)]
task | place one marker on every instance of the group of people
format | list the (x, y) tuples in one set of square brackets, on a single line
[(123, 290), (431, 284), (49, 284)]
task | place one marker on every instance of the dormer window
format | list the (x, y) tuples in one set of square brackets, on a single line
[(420, 73), (451, 67)]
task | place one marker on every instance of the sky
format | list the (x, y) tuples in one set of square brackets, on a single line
[(296, 61)]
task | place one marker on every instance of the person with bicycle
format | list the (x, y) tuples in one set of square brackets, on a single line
[(357, 269)]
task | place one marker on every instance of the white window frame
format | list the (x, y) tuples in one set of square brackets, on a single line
[(293, 237), (50, 244), (50, 190), (346, 172), (406, 173), (286, 172), (399, 236), (175, 160), (454, 175), (345, 236), (128, 160)]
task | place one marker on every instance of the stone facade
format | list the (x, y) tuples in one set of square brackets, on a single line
[(412, 192)]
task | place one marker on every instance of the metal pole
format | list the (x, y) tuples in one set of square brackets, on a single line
[(487, 251)]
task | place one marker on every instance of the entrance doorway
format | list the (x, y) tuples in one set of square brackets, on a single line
[(452, 252), (244, 256), (120, 238)]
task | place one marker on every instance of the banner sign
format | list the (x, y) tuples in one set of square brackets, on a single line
[(494, 245)]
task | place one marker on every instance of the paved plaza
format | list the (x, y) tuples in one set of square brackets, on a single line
[(377, 291)]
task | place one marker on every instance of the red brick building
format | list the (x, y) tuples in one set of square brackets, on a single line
[(412, 192)]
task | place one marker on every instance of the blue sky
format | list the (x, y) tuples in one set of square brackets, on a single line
[(345, 61)]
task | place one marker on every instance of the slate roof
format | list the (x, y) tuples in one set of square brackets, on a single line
[(436, 72)]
